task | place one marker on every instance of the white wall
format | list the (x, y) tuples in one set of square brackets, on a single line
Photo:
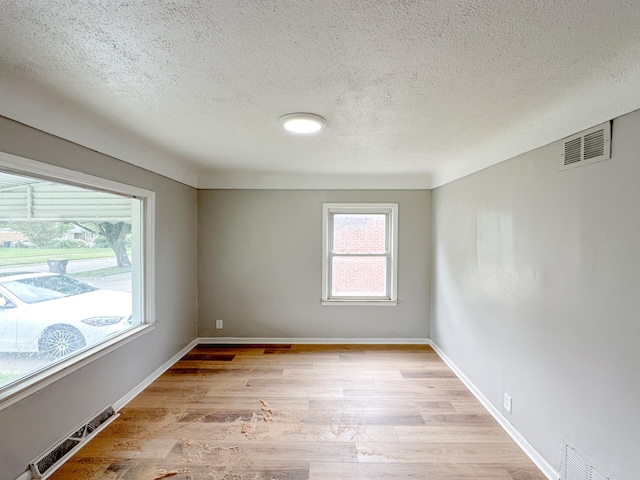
[(260, 259), (536, 281), (32, 425)]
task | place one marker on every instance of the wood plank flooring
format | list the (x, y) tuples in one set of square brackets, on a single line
[(292, 412)]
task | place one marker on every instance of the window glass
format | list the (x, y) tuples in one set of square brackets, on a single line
[(70, 271), (32, 289), (359, 277), (359, 233), (359, 253)]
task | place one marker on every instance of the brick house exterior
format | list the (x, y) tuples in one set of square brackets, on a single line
[(359, 276)]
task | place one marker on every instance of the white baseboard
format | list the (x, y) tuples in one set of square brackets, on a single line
[(312, 341), (135, 391), (25, 476), (528, 449)]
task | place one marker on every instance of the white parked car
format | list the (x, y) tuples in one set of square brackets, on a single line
[(56, 314)]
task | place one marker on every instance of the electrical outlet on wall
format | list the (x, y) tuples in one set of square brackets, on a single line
[(219, 325), (507, 402)]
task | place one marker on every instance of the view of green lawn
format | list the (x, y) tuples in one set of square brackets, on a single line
[(26, 256)]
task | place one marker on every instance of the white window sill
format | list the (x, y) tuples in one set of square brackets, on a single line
[(39, 380), (361, 303)]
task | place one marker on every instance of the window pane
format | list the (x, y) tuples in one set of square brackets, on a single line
[(358, 277), (359, 233), (66, 262)]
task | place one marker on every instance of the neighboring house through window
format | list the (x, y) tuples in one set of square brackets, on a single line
[(360, 250)]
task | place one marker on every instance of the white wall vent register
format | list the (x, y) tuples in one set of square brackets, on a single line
[(47, 463), (589, 146), (576, 466)]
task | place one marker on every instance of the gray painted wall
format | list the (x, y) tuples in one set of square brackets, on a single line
[(32, 425), (536, 278), (534, 281), (260, 265)]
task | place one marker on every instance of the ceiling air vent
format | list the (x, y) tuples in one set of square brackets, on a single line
[(590, 146)]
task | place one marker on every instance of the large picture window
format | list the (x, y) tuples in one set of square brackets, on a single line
[(359, 253), (72, 267)]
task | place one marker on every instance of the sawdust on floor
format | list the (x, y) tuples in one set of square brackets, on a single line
[(268, 423)]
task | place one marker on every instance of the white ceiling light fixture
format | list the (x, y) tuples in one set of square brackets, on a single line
[(304, 123)]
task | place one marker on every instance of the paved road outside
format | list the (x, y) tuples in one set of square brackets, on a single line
[(120, 281)]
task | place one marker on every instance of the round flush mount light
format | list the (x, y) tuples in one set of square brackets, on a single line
[(304, 123)]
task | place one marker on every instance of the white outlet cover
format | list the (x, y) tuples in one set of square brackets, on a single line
[(219, 324), (507, 402)]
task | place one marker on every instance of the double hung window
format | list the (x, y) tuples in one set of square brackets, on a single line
[(359, 253)]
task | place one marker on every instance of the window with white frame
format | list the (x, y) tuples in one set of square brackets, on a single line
[(74, 269), (360, 250)]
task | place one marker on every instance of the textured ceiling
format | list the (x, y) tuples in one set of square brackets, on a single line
[(415, 93)]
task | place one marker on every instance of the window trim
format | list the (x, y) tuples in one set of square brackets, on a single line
[(389, 209), (40, 379)]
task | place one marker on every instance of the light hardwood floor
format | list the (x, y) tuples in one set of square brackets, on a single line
[(292, 412)]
